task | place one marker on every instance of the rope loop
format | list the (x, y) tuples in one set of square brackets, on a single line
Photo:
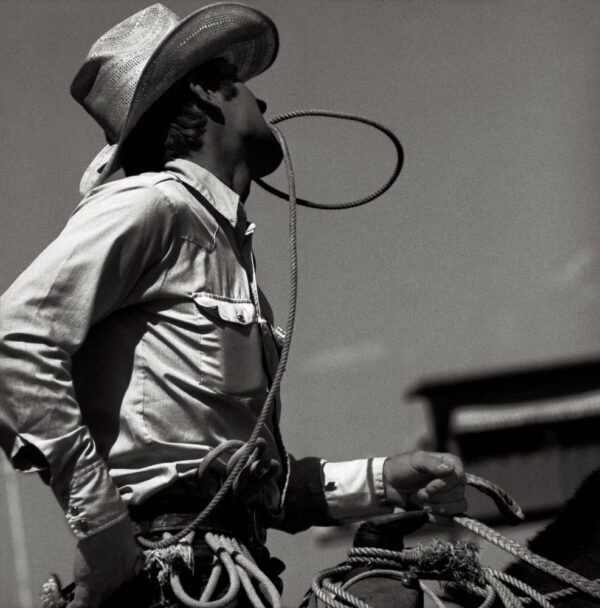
[(343, 116), (423, 561)]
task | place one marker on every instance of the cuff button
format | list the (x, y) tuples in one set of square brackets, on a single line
[(82, 524)]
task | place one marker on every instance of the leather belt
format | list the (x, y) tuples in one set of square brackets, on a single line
[(178, 505)]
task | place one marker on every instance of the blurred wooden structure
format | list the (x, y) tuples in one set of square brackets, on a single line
[(536, 432)]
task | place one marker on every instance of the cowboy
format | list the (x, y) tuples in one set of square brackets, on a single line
[(137, 347)]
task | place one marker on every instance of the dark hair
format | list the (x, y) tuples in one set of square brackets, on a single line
[(174, 125)]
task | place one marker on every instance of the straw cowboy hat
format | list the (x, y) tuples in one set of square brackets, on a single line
[(138, 60)]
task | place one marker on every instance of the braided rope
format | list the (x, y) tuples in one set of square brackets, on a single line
[(241, 570), (317, 585), (490, 597), (375, 572), (506, 504), (433, 596), (342, 116), (234, 581), (373, 557), (245, 563), (340, 592), (573, 579), (213, 581), (534, 595), (509, 599)]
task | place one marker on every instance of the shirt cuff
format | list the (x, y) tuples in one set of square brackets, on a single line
[(92, 502), (354, 489)]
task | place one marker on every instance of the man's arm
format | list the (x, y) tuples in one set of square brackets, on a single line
[(328, 493), (85, 274)]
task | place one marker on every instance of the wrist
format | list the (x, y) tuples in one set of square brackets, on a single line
[(393, 498)]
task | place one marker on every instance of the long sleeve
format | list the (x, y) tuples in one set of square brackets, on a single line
[(322, 493), (107, 246)]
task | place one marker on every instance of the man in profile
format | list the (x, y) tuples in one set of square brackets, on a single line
[(138, 345)]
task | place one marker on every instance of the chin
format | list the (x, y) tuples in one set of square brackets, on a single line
[(266, 157)]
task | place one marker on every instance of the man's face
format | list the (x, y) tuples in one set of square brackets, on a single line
[(244, 113)]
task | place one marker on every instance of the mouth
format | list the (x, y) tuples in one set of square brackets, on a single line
[(266, 156), (262, 105)]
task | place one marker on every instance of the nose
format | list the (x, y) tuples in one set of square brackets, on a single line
[(262, 105)]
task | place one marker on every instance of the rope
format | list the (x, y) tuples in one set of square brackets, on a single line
[(348, 598), (563, 574), (317, 586), (435, 598), (241, 570), (342, 116), (509, 599), (204, 602), (243, 454), (521, 586), (490, 597), (484, 582), (402, 576), (505, 503)]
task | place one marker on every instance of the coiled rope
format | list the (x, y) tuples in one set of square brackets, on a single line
[(573, 579), (242, 572), (485, 582)]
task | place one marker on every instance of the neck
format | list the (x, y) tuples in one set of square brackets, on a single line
[(226, 160)]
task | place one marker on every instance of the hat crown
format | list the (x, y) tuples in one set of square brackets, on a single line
[(137, 61), (106, 82)]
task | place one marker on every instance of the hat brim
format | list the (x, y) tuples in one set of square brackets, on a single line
[(241, 34)]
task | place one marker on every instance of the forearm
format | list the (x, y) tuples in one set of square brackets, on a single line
[(324, 493), (45, 316), (42, 431)]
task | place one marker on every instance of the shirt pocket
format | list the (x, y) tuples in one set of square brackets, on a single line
[(230, 344), (228, 310)]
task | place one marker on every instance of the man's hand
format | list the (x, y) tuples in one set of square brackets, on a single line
[(432, 481), (103, 562)]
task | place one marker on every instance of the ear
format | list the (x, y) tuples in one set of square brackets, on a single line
[(209, 101)]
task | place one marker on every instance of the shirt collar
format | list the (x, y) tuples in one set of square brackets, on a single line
[(220, 196)]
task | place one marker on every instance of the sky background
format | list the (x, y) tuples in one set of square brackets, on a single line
[(483, 256)]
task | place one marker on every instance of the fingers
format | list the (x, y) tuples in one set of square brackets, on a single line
[(443, 496), (442, 490), (438, 464), (448, 509), (443, 521), (432, 481)]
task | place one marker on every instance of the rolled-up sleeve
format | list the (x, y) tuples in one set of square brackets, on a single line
[(85, 274)]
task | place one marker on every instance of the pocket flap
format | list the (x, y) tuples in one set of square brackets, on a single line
[(240, 312)]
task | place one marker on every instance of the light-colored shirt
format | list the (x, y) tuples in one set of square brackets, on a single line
[(132, 346)]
